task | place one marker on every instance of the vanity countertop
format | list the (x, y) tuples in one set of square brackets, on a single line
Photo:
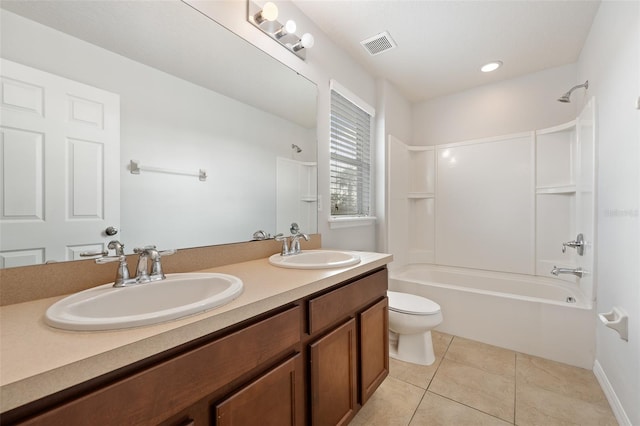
[(37, 360)]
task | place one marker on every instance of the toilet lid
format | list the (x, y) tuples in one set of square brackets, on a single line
[(411, 304)]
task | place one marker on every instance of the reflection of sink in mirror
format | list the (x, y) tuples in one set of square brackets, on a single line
[(315, 259), (107, 308)]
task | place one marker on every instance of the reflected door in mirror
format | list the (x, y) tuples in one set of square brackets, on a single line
[(60, 177)]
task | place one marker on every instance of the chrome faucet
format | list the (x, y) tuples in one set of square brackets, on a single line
[(291, 244), (295, 242), (146, 253), (123, 278), (578, 272)]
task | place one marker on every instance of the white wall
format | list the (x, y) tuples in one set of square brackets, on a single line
[(393, 117), (610, 60), (517, 105), (324, 61)]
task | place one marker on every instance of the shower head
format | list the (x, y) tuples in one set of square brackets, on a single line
[(296, 148), (566, 98)]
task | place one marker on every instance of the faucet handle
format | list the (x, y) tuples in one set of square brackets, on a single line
[(122, 275), (577, 244), (285, 244), (156, 266)]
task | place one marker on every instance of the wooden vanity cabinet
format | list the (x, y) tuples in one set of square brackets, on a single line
[(350, 361), (171, 391), (315, 361)]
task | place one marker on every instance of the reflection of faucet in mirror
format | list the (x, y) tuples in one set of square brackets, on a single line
[(262, 235)]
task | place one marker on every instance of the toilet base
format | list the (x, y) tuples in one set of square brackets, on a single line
[(415, 348)]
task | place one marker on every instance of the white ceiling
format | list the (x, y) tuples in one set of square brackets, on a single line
[(443, 44)]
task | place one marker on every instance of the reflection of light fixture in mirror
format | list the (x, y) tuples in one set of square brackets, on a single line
[(289, 27), (269, 12), (264, 18), (306, 42)]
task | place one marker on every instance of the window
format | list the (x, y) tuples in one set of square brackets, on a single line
[(350, 167)]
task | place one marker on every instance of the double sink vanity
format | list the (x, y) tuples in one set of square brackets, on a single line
[(276, 340)]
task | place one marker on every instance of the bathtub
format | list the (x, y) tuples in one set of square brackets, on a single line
[(533, 315)]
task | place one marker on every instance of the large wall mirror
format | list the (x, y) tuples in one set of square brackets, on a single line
[(222, 136)]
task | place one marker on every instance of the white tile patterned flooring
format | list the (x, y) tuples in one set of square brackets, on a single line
[(472, 383)]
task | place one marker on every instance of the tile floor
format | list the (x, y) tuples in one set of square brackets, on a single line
[(473, 383)]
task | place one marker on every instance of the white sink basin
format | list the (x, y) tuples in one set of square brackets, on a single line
[(107, 308), (315, 259)]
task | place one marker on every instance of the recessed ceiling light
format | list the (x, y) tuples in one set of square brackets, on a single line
[(491, 66)]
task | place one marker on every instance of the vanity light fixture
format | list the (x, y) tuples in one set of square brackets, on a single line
[(265, 19), (491, 66)]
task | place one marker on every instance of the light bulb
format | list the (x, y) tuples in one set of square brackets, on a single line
[(269, 12), (288, 28), (306, 41)]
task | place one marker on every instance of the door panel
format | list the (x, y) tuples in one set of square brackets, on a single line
[(374, 348), (333, 376)]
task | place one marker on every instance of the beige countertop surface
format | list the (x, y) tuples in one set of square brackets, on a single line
[(37, 360)]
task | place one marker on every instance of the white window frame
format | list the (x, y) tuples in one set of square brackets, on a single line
[(342, 221)]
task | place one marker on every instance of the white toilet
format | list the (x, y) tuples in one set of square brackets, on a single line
[(411, 319)]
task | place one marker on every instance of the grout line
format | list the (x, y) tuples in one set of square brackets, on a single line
[(473, 408), (430, 380), (417, 406)]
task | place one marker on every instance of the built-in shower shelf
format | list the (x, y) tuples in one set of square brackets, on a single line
[(309, 198), (560, 189), (420, 195)]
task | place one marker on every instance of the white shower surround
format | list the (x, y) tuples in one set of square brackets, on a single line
[(478, 225), (520, 312)]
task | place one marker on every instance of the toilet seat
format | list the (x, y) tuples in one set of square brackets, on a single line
[(411, 304)]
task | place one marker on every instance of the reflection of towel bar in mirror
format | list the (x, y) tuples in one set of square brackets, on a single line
[(136, 168)]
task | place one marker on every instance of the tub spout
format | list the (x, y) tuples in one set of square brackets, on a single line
[(578, 272)]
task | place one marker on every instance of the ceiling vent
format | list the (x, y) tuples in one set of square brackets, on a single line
[(378, 43)]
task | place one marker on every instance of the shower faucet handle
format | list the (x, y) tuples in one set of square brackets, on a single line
[(577, 244)]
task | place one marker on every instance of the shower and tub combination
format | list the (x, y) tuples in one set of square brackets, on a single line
[(499, 232)]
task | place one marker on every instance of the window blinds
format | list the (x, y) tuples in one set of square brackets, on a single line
[(350, 167)]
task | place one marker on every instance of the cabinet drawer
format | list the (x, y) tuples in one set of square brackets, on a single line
[(161, 391), (341, 303), (276, 398)]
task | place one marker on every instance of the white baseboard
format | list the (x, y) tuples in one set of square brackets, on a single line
[(616, 406)]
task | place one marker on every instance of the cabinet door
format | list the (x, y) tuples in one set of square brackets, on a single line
[(374, 348), (333, 376), (276, 398)]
